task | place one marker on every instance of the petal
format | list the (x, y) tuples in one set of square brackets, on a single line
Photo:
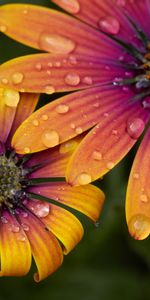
[(109, 15), (64, 225), (45, 248), (53, 161), (138, 192), (56, 72), (8, 103), (88, 199), (107, 143), (56, 32), (83, 110), (27, 105), (15, 249)]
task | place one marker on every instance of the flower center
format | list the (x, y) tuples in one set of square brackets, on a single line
[(11, 177)]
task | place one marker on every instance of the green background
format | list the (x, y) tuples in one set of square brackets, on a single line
[(108, 264)]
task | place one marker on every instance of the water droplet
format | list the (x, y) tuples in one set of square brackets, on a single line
[(106, 114), (117, 81), (40, 209), (72, 79), (68, 146), (4, 220), (17, 77), (62, 108), (55, 43), (49, 89), (84, 178), (139, 226), (24, 214), (144, 198), (125, 88), (146, 102), (27, 150), (21, 238), (50, 138), (44, 117), (109, 24), (57, 64), (97, 155), (87, 80), (38, 66), (110, 165), (35, 122), (3, 28), (4, 80), (14, 228), (72, 59), (72, 6), (78, 130), (136, 175), (72, 125), (25, 227), (96, 104), (11, 97), (135, 127), (114, 132)]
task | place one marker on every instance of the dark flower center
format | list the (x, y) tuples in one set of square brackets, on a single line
[(12, 180)]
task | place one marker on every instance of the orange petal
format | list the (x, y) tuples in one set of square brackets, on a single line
[(53, 161), (64, 225), (138, 193), (56, 32), (88, 199), (26, 106), (107, 143), (83, 110), (15, 252), (55, 72), (45, 248), (8, 104)]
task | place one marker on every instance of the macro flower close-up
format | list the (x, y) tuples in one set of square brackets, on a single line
[(34, 197), (99, 51)]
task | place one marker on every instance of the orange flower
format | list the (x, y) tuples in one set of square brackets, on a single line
[(31, 224), (103, 53)]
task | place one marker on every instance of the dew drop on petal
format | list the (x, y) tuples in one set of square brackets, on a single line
[(35, 122), (84, 178), (110, 165), (72, 125), (78, 130), (4, 220), (40, 209), (139, 226), (109, 24), (72, 59), (62, 108), (72, 79), (135, 127), (38, 66), (49, 89), (87, 80), (25, 226), (21, 237), (3, 28), (27, 150), (11, 97), (97, 155), (17, 77), (72, 6), (144, 198), (136, 175), (14, 228), (44, 117), (55, 43), (4, 80), (68, 146), (50, 138)]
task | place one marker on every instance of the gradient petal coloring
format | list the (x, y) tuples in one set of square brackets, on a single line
[(87, 200), (138, 193), (19, 253)]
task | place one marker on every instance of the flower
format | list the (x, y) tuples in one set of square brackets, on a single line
[(30, 223), (102, 52)]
